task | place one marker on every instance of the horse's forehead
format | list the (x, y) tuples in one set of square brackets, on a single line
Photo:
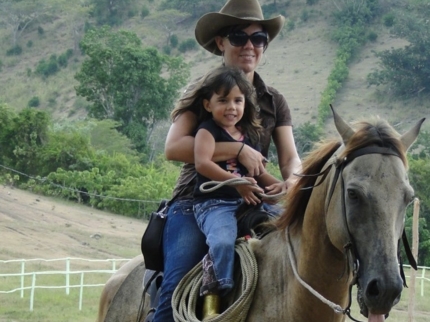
[(378, 168)]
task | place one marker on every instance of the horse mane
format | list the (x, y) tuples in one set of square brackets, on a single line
[(297, 198), (374, 132)]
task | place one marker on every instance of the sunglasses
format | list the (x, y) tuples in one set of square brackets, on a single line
[(240, 38)]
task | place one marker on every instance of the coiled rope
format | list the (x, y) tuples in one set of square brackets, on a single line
[(186, 294)]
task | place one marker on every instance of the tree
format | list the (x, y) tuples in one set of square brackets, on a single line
[(23, 138), (18, 14), (127, 83), (75, 14), (111, 12), (407, 70), (195, 7)]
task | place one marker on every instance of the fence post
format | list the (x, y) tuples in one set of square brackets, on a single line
[(22, 277), (423, 276), (68, 275), (33, 286), (81, 291), (415, 239)]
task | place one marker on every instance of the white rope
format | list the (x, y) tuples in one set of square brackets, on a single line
[(336, 307), (235, 182), (186, 294)]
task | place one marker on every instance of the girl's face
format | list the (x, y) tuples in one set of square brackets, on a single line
[(227, 110), (246, 57)]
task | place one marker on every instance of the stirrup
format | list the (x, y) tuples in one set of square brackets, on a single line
[(211, 306), (152, 286), (150, 315)]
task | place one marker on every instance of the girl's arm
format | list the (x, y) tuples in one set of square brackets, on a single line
[(204, 148), (179, 146)]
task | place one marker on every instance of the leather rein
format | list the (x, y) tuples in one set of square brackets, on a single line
[(350, 248)]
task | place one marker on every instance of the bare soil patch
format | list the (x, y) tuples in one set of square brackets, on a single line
[(33, 226)]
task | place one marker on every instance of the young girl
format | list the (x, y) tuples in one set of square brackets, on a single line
[(229, 114)]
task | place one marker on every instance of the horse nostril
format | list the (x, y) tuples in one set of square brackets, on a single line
[(372, 289)]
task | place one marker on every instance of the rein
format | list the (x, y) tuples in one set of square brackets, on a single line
[(350, 248)]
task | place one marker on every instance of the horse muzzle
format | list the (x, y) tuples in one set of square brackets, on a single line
[(377, 296)]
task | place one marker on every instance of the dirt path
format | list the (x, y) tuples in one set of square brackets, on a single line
[(33, 226)]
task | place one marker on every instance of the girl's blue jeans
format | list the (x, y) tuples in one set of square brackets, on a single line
[(184, 247), (216, 218)]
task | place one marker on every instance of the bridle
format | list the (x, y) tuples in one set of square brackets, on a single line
[(350, 249)]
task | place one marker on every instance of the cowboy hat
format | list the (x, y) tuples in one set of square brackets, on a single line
[(234, 12)]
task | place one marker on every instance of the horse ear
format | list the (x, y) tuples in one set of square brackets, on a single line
[(409, 137), (342, 127)]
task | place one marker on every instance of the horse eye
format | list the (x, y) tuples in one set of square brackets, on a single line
[(352, 194)]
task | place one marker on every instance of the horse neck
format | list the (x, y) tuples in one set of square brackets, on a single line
[(319, 263)]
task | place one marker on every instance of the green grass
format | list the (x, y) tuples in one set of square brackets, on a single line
[(54, 305)]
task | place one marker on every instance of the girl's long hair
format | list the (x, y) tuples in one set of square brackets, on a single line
[(220, 81)]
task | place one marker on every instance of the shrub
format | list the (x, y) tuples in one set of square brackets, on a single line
[(174, 41), (290, 25), (144, 12), (34, 102), (14, 51), (29, 43), (304, 15), (167, 50), (40, 30), (372, 36), (306, 135), (186, 45), (131, 13), (388, 19), (69, 53), (311, 2), (269, 9), (1, 65), (62, 60), (47, 68)]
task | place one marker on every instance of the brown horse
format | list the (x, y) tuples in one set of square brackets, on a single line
[(342, 226)]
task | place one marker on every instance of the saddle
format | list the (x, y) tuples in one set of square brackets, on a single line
[(250, 220)]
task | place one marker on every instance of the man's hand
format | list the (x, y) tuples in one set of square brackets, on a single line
[(252, 160)]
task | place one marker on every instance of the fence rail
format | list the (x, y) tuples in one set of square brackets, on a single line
[(68, 272)]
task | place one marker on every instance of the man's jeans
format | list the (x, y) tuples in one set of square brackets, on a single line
[(184, 247)]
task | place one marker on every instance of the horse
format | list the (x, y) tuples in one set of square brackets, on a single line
[(341, 226)]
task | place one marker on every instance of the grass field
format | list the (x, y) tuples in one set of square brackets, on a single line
[(54, 305)]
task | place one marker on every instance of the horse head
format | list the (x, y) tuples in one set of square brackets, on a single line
[(365, 208)]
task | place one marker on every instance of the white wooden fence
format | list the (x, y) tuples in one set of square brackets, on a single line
[(68, 272), (421, 277)]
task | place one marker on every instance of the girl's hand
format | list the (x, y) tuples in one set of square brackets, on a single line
[(249, 192), (276, 188), (252, 161)]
